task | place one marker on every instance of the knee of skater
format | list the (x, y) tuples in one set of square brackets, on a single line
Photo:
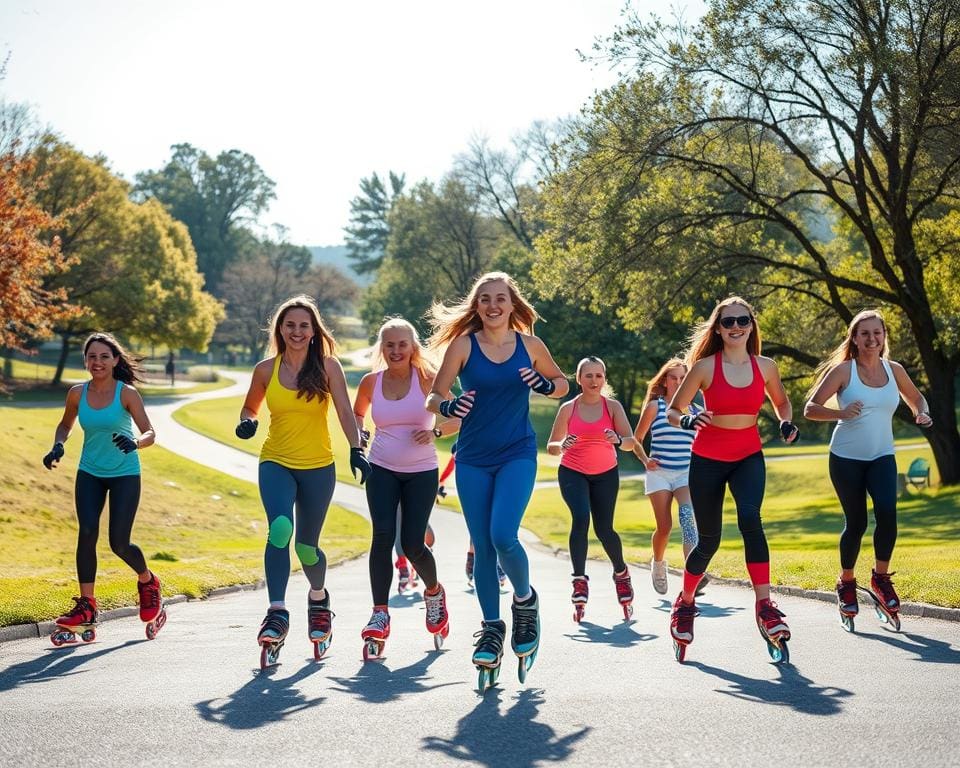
[(119, 548), (506, 546), (414, 550), (307, 553), (281, 531), (708, 545)]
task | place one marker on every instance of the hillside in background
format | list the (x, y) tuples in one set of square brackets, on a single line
[(336, 255)]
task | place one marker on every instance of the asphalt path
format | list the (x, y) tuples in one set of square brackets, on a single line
[(604, 692)]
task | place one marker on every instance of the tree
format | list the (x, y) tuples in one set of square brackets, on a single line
[(213, 197), (369, 227), (806, 152)]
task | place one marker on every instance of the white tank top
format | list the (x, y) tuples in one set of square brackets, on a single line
[(870, 435)]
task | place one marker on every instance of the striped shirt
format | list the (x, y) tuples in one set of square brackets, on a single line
[(668, 444)]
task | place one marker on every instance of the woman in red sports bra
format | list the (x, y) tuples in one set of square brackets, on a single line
[(725, 364)]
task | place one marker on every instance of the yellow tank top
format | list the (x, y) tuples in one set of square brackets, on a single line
[(299, 437)]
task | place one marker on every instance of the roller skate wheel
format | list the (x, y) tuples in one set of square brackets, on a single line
[(484, 678), (881, 615), (320, 647), (372, 650), (57, 639), (578, 613), (778, 651), (679, 651), (88, 635), (627, 611), (847, 623), (264, 662), (895, 621), (438, 641), (151, 630)]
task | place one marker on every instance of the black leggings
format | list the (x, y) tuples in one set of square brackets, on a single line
[(747, 479), (853, 480), (596, 494), (90, 493), (415, 493)]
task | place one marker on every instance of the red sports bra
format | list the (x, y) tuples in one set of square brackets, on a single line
[(726, 400)]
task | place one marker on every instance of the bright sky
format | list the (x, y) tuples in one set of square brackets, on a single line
[(320, 93)]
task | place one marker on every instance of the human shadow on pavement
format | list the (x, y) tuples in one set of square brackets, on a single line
[(54, 663), (792, 690), (266, 699), (619, 636), (376, 682), (707, 610), (926, 648), (487, 736), (406, 600)]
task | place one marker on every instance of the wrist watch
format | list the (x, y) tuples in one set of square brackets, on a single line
[(437, 432)]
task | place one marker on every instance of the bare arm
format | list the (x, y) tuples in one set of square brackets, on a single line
[(257, 391), (911, 395), (775, 391), (558, 435), (341, 400), (692, 382), (622, 436), (832, 383), (131, 400), (69, 417), (361, 403), (647, 416), (543, 363), (454, 359)]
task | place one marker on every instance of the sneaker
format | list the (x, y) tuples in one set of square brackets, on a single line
[(847, 597), (681, 620), (581, 590), (658, 574), (488, 649), (437, 616), (526, 624), (319, 618), (378, 628), (84, 611), (882, 587), (770, 620), (149, 595), (403, 573), (275, 625)]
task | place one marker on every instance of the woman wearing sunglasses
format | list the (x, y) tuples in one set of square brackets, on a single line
[(725, 364)]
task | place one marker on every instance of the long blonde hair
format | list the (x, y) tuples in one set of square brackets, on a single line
[(462, 318), (705, 339), (312, 378), (847, 350), (656, 388), (420, 359)]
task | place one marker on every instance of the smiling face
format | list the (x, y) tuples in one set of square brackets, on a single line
[(296, 329), (494, 304), (591, 377), (734, 314), (396, 347), (869, 336), (99, 360), (671, 381)]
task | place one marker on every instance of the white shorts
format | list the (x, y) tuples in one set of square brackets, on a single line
[(666, 480)]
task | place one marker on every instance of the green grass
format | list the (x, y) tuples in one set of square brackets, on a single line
[(30, 370), (199, 529), (802, 519)]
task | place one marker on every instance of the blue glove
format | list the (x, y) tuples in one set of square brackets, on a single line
[(359, 463), (124, 443), (53, 458), (789, 432), (246, 429), (537, 382), (458, 408), (692, 422)]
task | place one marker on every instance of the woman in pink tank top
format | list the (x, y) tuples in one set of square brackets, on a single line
[(586, 434), (404, 474)]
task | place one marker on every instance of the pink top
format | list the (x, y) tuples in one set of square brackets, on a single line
[(393, 445), (591, 454)]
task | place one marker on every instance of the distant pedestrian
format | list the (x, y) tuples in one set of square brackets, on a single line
[(171, 368)]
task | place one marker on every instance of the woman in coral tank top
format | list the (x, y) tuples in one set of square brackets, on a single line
[(725, 364)]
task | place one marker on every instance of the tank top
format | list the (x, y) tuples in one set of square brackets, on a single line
[(670, 445), (725, 400), (591, 454), (393, 446), (100, 457), (870, 435), (498, 428), (299, 437)]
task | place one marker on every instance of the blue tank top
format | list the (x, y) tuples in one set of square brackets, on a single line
[(498, 428), (100, 457)]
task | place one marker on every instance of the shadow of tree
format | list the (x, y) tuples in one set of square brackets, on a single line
[(619, 636), (56, 663), (377, 683), (488, 737)]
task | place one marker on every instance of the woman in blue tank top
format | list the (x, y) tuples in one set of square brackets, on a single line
[(488, 345), (107, 407)]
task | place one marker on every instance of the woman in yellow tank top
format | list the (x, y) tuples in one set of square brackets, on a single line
[(296, 462)]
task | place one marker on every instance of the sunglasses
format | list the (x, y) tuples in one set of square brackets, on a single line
[(742, 320)]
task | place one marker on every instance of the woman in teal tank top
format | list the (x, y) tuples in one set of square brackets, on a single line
[(107, 407)]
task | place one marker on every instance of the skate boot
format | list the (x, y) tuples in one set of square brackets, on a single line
[(526, 632), (502, 577), (658, 574), (581, 593), (624, 592), (886, 603), (438, 620), (375, 634), (79, 620), (847, 602), (320, 624), (488, 651), (403, 574), (681, 626), (152, 611), (273, 632), (468, 569), (773, 629)]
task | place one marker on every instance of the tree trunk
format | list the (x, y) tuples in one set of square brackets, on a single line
[(943, 436), (62, 361), (8, 364)]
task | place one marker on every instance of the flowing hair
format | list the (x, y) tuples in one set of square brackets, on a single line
[(127, 368), (847, 349), (460, 319), (656, 388), (606, 390), (312, 378), (420, 359), (705, 339)]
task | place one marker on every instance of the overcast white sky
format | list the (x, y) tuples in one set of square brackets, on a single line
[(321, 93)]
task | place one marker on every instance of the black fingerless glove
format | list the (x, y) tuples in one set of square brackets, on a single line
[(125, 444), (54, 456), (457, 408), (247, 428), (689, 421), (539, 383), (789, 432), (359, 463)]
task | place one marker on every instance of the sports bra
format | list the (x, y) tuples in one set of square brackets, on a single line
[(726, 400)]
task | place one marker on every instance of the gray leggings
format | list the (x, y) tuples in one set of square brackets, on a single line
[(311, 490)]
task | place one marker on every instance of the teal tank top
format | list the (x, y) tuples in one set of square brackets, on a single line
[(100, 457)]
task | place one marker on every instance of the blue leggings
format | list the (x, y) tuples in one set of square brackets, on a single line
[(494, 500), (311, 490)]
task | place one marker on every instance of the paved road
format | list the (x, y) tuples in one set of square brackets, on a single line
[(603, 692)]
